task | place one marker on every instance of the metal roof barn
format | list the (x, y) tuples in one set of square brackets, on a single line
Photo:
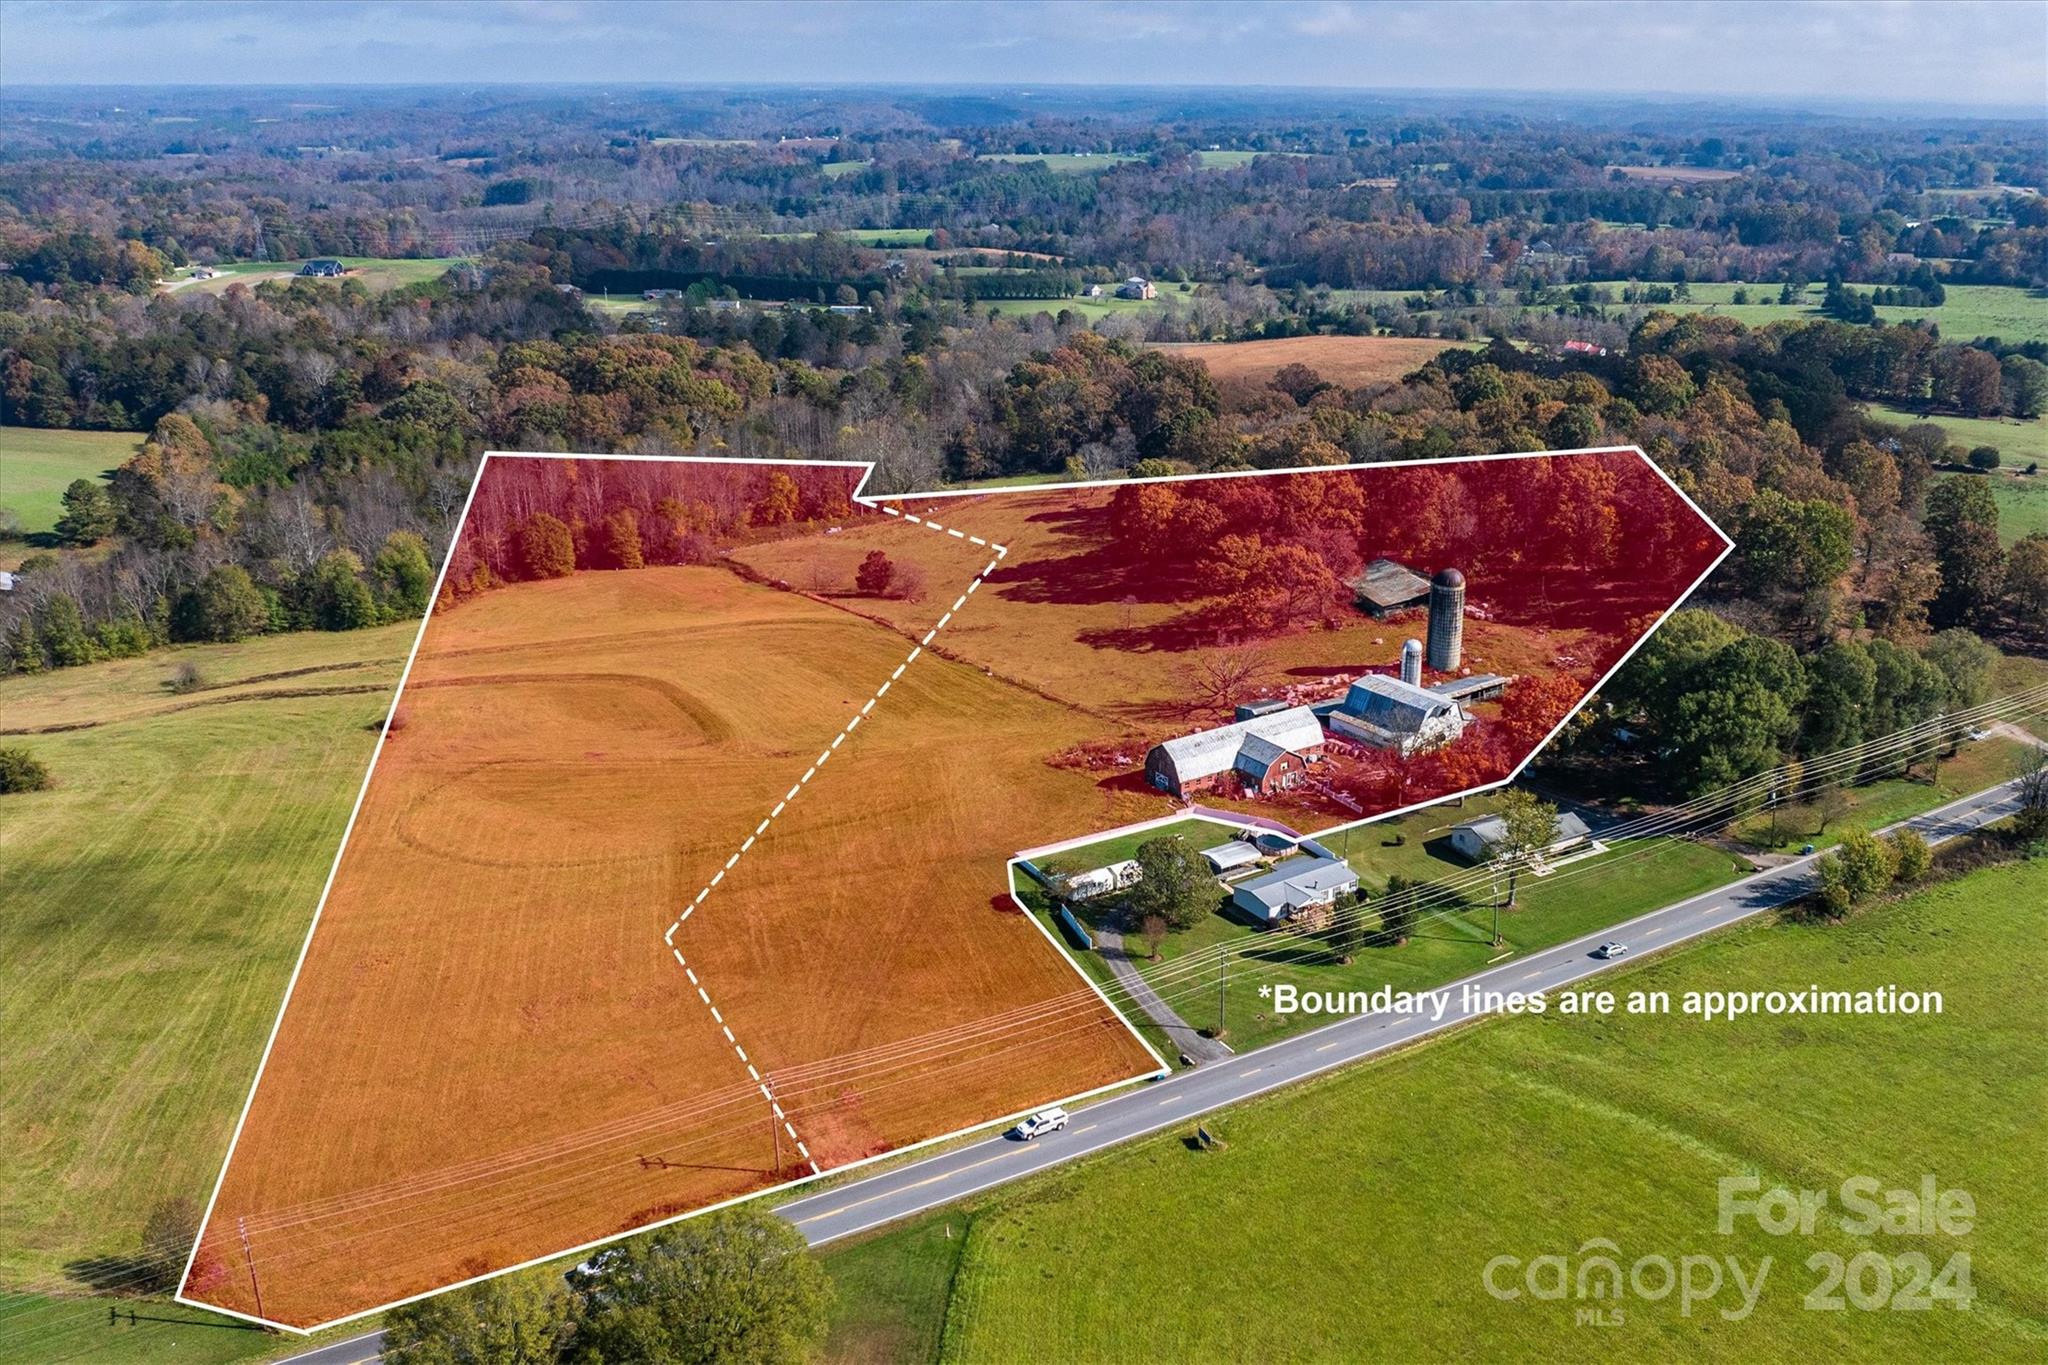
[(1209, 753)]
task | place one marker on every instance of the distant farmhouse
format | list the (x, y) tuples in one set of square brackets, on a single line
[(1387, 587), (1268, 753), (1091, 291), (1477, 839), (1293, 886), (326, 267), (1388, 713), (1137, 287)]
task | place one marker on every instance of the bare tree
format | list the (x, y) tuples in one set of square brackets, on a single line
[(1221, 678)]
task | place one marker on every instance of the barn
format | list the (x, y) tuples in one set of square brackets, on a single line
[(1268, 753), (1388, 586), (1387, 713)]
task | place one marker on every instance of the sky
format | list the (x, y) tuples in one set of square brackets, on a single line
[(1985, 53)]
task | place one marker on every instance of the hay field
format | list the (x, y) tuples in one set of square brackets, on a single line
[(491, 1055), (1350, 361), (150, 909)]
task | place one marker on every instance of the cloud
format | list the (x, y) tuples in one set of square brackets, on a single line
[(1830, 50)]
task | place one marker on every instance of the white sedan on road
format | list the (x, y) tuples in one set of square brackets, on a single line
[(1611, 950)]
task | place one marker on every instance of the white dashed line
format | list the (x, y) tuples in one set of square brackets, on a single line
[(668, 936)]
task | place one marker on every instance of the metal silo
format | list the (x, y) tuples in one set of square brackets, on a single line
[(1411, 662), (1446, 620)]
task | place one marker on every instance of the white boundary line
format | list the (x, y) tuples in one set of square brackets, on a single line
[(874, 501), (795, 791)]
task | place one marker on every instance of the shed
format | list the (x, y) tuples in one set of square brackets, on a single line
[(1477, 838), (1295, 885), (1231, 856), (1083, 886), (1386, 587)]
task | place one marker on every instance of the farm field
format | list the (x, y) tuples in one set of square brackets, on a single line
[(1091, 163), (2018, 442), (1532, 1136), (2022, 502), (152, 909), (2008, 312), (1092, 309), (659, 728), (1350, 361), (36, 466), (373, 272)]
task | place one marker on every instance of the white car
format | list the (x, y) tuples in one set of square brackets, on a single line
[(1044, 1121), (1611, 950)]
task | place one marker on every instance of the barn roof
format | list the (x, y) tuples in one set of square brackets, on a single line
[(1393, 705), (1256, 755), (1210, 752), (1387, 584)]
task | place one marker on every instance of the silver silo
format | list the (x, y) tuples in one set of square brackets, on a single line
[(1446, 620), (1411, 662)]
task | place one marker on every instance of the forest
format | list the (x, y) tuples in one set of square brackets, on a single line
[(307, 445)]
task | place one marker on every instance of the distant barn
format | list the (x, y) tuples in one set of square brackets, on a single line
[(325, 267)]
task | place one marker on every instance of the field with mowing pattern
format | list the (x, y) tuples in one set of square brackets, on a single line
[(1529, 1137), (150, 912)]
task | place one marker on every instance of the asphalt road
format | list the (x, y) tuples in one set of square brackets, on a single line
[(886, 1197)]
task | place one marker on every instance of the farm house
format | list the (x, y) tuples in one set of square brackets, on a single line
[(1268, 753), (1387, 713), (1298, 884)]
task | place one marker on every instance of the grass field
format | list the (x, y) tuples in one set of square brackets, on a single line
[(1353, 1219), (1350, 361), (151, 910), (2009, 312), (36, 466), (1878, 804), (577, 1087), (1090, 163), (2022, 502), (374, 272), (2018, 442)]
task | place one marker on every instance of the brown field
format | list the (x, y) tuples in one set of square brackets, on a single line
[(1350, 361), (490, 1054), (1674, 175)]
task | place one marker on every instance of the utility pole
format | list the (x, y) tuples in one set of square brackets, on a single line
[(1222, 997), (775, 1132), (255, 1285)]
